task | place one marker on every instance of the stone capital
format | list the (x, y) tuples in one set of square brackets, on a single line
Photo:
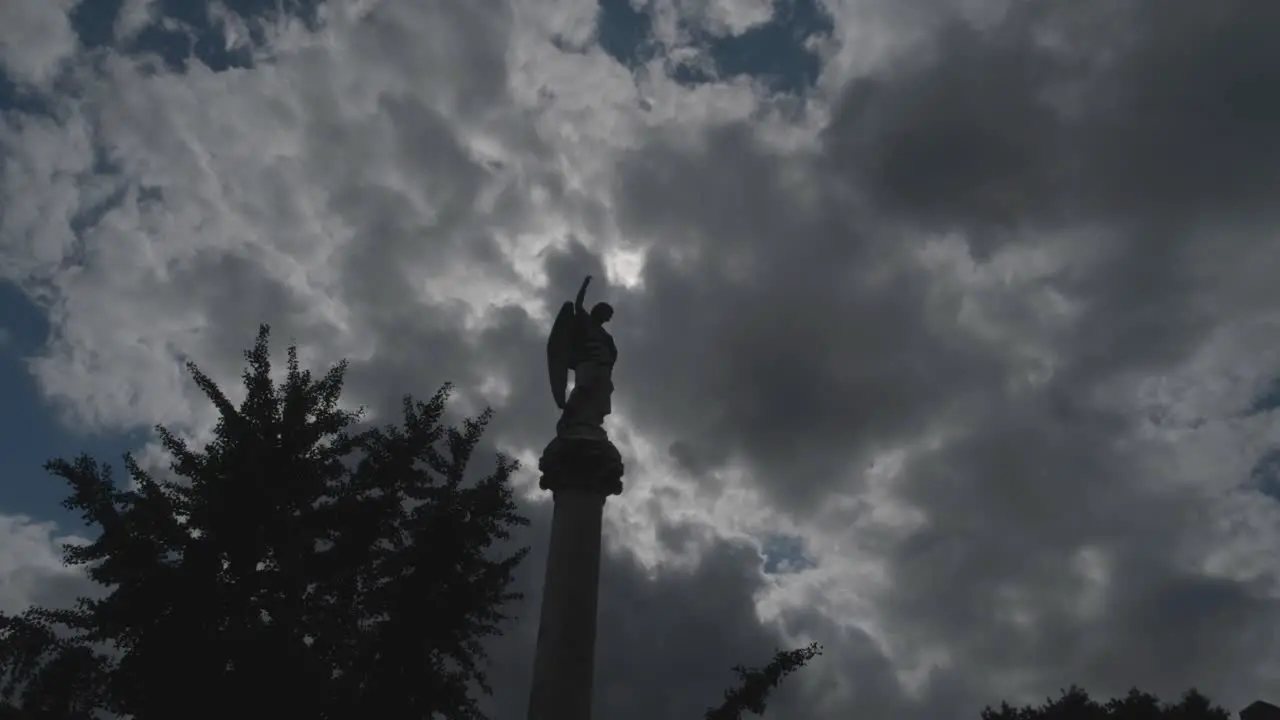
[(586, 465)]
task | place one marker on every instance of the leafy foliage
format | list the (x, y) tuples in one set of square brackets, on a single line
[(292, 566), (1075, 704), (755, 684)]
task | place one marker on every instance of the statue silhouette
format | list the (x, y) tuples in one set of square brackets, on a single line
[(579, 342)]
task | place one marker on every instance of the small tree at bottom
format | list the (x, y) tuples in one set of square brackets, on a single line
[(756, 684)]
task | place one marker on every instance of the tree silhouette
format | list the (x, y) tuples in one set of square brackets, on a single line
[(1075, 704), (291, 567), (755, 684)]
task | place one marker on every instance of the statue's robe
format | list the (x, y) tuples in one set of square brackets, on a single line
[(592, 397)]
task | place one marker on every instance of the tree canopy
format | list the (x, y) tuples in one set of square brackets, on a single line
[(751, 694), (295, 565), (1075, 704)]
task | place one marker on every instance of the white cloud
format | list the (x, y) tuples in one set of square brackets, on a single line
[(35, 39), (31, 569)]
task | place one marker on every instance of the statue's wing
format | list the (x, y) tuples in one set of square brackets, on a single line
[(560, 351)]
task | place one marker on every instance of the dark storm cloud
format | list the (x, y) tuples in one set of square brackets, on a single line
[(1132, 112), (1010, 507), (783, 327), (666, 644), (1191, 128), (965, 138), (1150, 120), (780, 321), (780, 314), (1158, 130)]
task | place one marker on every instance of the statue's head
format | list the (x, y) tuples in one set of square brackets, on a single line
[(602, 312)]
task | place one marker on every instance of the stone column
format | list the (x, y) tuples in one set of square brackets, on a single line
[(580, 473)]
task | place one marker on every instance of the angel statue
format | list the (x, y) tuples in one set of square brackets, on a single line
[(580, 343)]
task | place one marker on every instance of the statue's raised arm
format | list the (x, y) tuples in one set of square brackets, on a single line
[(579, 342), (578, 308)]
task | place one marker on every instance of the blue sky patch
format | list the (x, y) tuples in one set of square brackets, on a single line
[(774, 52), (784, 554), (1267, 401), (1265, 474), (29, 426)]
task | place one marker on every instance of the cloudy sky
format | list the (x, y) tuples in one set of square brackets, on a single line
[(948, 330)]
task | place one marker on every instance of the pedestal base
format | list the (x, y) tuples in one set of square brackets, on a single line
[(581, 464)]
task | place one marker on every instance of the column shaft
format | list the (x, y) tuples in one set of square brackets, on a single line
[(565, 657)]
